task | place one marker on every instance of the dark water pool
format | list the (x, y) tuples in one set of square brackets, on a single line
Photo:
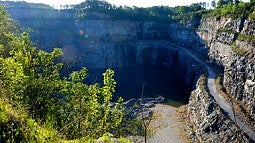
[(157, 81)]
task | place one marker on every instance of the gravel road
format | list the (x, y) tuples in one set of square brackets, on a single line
[(165, 126)]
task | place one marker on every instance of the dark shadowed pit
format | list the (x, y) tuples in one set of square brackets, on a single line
[(157, 81)]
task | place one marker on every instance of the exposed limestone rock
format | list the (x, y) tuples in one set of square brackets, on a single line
[(239, 79), (209, 27), (181, 35), (142, 108), (209, 122), (231, 46), (248, 29)]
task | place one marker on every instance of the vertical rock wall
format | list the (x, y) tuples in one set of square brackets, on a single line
[(231, 45), (209, 123)]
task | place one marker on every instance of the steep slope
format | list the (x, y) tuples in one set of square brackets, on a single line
[(232, 45), (206, 98), (210, 123)]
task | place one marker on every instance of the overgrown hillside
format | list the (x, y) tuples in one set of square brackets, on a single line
[(38, 105)]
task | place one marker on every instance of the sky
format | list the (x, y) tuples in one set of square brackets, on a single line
[(138, 3)]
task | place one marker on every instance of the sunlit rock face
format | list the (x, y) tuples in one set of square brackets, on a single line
[(231, 47), (209, 122), (104, 43)]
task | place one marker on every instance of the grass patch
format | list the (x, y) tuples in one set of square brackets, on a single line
[(173, 103), (16, 125), (226, 30), (247, 38), (238, 50), (252, 16)]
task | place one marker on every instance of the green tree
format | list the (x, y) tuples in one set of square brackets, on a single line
[(252, 2), (77, 110), (8, 30), (220, 3), (32, 77), (89, 110), (6, 23), (31, 80)]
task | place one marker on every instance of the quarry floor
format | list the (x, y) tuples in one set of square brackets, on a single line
[(169, 125)]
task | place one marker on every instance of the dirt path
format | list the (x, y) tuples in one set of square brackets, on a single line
[(166, 126)]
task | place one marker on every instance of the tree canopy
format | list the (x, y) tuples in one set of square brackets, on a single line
[(233, 9)]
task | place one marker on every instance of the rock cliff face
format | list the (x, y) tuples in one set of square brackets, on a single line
[(103, 43), (232, 45), (117, 44), (186, 37), (94, 43), (209, 123)]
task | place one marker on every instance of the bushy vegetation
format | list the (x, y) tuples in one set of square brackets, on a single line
[(242, 37), (238, 50), (38, 105), (186, 13), (97, 9), (8, 28), (233, 9), (17, 125), (25, 5), (102, 10)]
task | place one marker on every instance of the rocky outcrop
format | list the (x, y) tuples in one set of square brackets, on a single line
[(142, 108), (231, 45), (209, 122), (186, 37), (183, 36)]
